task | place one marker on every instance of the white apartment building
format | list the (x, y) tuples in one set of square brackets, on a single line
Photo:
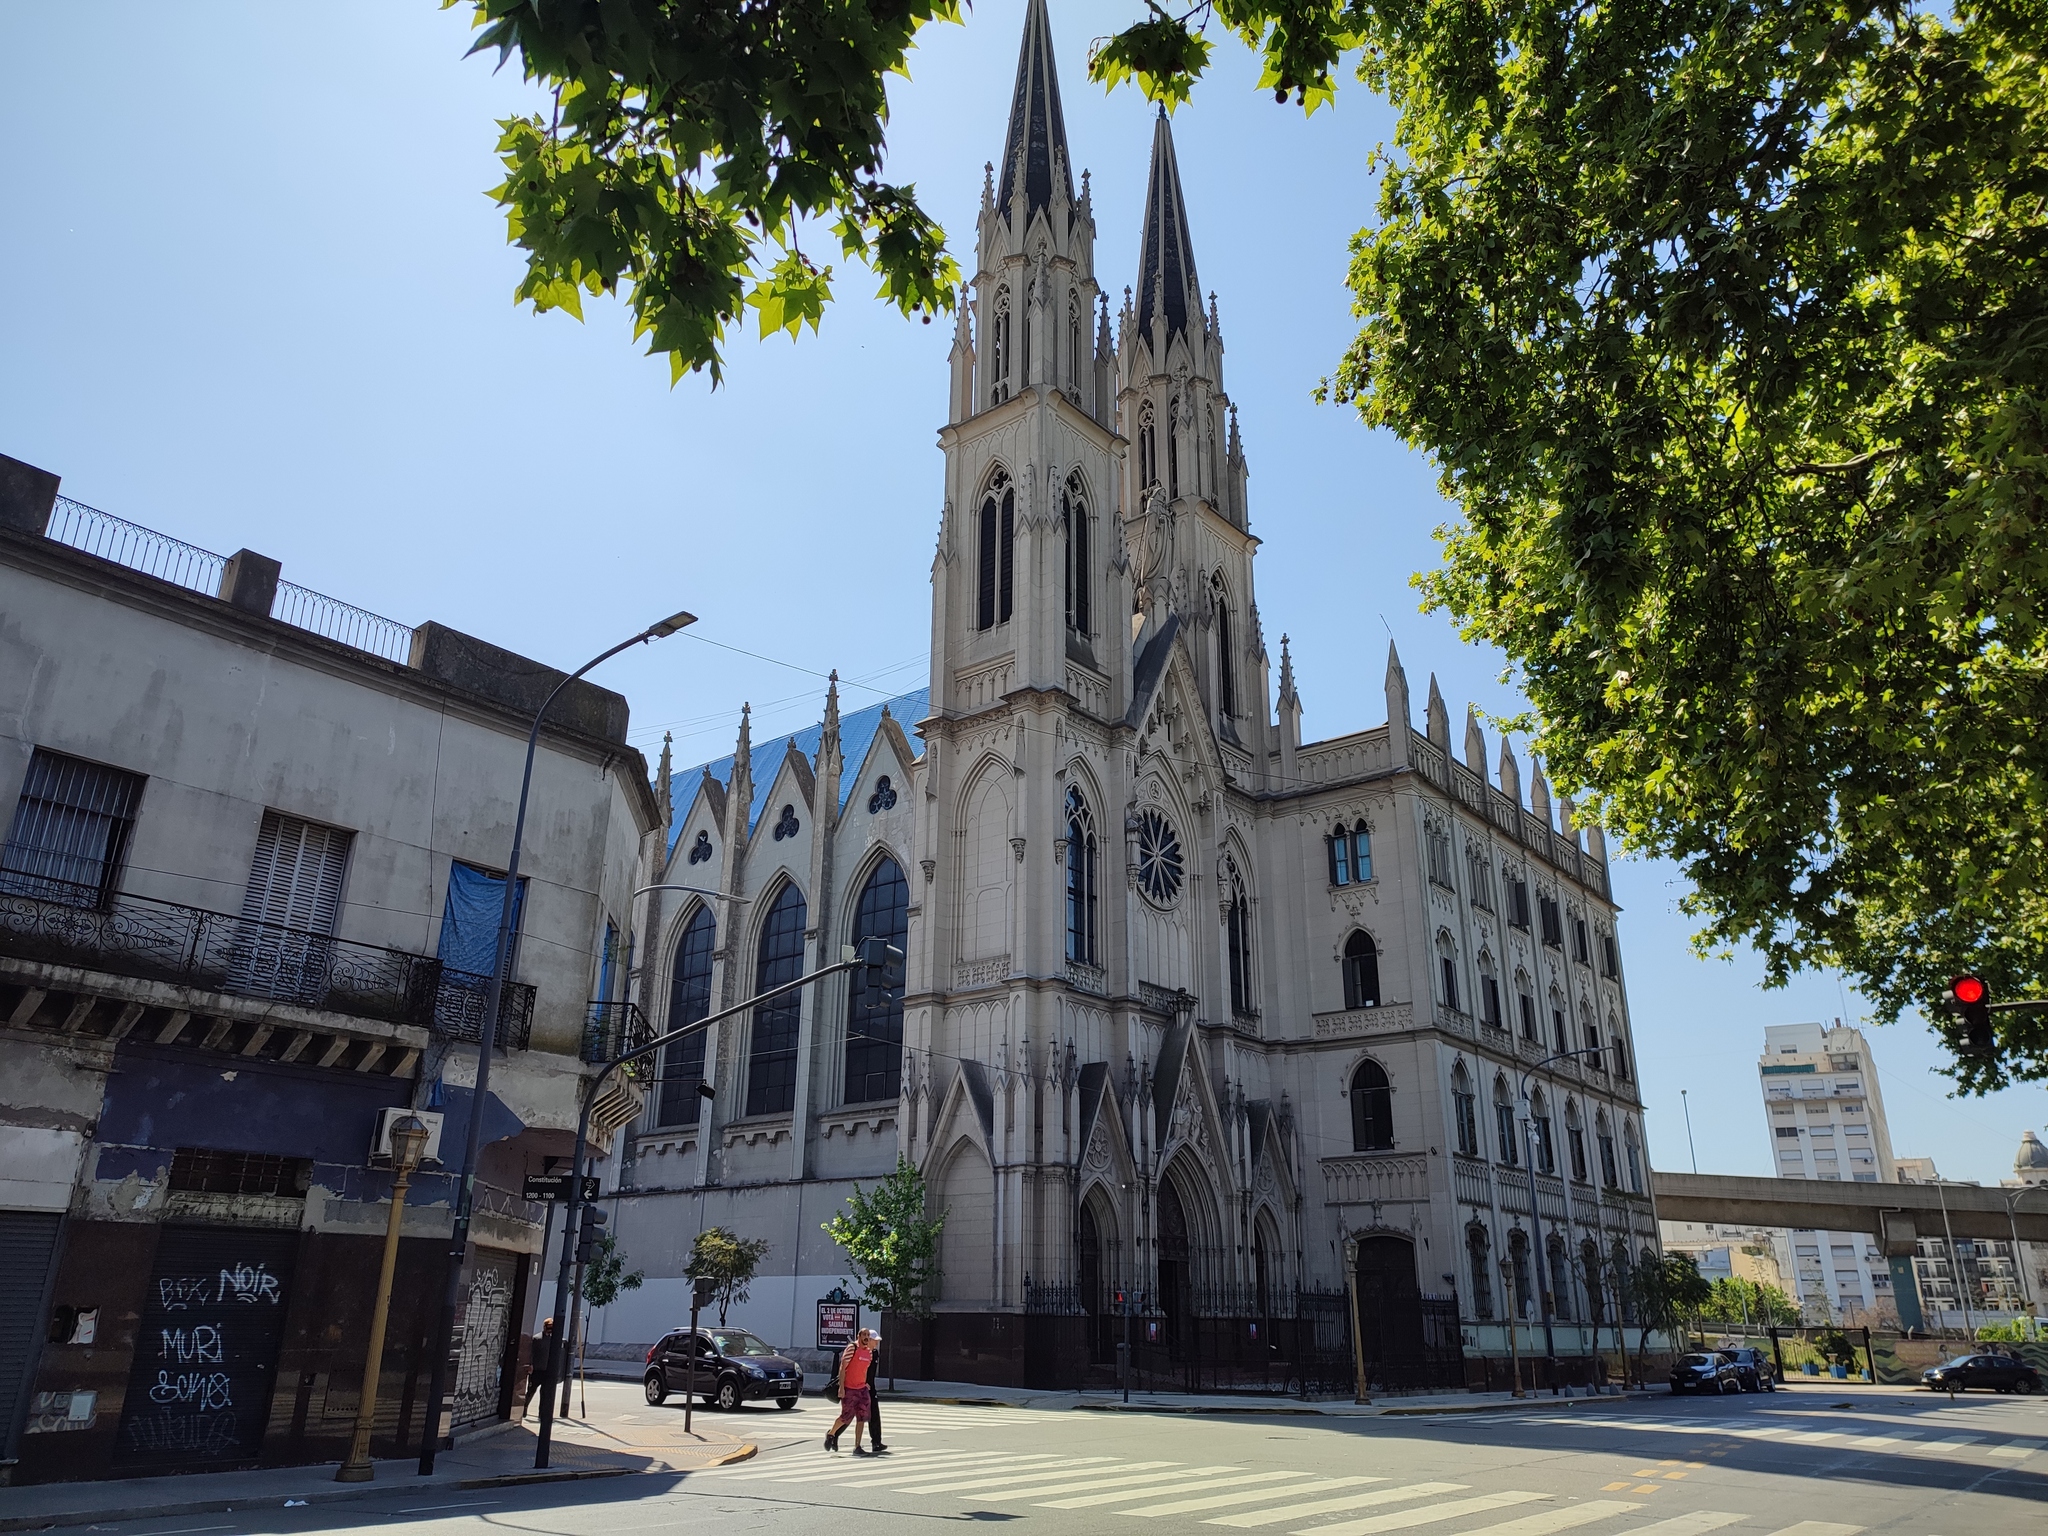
[(1826, 1116)]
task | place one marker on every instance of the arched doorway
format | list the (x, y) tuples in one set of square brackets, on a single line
[(1096, 1298), (1409, 1340), (1176, 1269)]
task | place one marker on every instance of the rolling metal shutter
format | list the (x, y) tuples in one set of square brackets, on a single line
[(28, 1250)]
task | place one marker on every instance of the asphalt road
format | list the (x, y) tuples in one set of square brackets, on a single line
[(1790, 1464)]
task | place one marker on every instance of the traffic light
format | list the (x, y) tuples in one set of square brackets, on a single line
[(881, 965), (1972, 999), (589, 1234), (705, 1292)]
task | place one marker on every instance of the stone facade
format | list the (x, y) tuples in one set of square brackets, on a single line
[(1190, 1001)]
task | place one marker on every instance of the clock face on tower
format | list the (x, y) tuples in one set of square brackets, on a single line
[(1159, 858)]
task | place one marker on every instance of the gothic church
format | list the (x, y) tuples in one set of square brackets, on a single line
[(1196, 1012)]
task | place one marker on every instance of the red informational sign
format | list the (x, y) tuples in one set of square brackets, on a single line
[(838, 1322)]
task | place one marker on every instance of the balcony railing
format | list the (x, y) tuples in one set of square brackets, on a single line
[(612, 1029), (64, 924)]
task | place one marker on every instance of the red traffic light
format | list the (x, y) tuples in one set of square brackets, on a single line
[(1967, 989)]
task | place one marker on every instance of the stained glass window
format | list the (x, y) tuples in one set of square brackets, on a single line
[(771, 1055), (874, 1020)]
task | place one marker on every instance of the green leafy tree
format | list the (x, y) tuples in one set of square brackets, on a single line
[(1736, 1301), (686, 148), (729, 1262), (605, 1278), (1725, 328), (892, 1245), (1670, 1292)]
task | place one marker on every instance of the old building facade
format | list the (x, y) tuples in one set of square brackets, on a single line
[(1193, 1004), (251, 876)]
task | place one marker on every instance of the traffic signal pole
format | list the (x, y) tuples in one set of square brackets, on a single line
[(882, 961)]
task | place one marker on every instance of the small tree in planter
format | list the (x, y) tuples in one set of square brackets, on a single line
[(729, 1262), (892, 1246), (604, 1280)]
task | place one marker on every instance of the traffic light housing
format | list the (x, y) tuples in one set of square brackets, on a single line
[(881, 965), (589, 1234), (705, 1292), (1971, 999)]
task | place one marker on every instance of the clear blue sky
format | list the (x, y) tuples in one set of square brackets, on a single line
[(256, 296)]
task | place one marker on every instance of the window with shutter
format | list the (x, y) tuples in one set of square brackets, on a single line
[(290, 909)]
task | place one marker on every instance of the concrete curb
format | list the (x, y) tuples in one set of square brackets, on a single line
[(339, 1494)]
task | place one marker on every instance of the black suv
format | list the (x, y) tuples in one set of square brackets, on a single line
[(2001, 1373), (1753, 1368), (724, 1366)]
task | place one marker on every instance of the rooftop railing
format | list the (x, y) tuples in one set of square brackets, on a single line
[(55, 921), (200, 570)]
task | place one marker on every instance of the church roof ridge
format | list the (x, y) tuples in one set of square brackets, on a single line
[(857, 732)]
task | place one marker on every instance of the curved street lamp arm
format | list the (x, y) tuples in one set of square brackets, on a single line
[(557, 1357)]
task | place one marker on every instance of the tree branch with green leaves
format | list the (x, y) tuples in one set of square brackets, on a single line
[(688, 144)]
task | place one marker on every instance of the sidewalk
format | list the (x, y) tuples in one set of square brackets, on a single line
[(499, 1457)]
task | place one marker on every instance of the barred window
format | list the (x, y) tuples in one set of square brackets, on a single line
[(71, 830)]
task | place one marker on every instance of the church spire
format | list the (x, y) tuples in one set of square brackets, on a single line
[(1166, 261), (1035, 149)]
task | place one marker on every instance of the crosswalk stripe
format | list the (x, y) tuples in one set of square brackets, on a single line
[(1952, 1443), (1033, 1474), (2018, 1450), (1260, 1517), (1041, 1489), (1551, 1520), (812, 1473), (1695, 1523), (1015, 1470), (1429, 1514), (1089, 1500), (1223, 1500), (1818, 1528)]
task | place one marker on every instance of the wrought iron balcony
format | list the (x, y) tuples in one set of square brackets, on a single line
[(612, 1029), (65, 924)]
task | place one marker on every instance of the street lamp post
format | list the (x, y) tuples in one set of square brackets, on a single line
[(1541, 1258), (872, 955), (1507, 1286), (1357, 1337), (487, 1039), (408, 1145), (2019, 1262)]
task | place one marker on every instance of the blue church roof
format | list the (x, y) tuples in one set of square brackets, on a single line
[(856, 735)]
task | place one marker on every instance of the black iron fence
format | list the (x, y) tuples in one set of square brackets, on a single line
[(42, 919)]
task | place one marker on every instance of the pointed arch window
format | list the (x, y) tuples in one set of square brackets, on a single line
[(1575, 1140), (1544, 1149), (1589, 1271), (1074, 342), (1525, 1005), (1361, 972), (1633, 1150), (1350, 850), (995, 538), (771, 1053), (1226, 666), (1504, 1122), (999, 351), (874, 1020), (1074, 512), (689, 999), (1173, 450), (1080, 880), (1465, 1110), (1447, 969), (1372, 1109), (1237, 923), (1479, 1248), (1148, 448), (1595, 1057), (1560, 1278), (1603, 1134), (1518, 1255), (1616, 1048)]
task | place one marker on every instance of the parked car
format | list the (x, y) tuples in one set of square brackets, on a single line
[(1753, 1368), (2001, 1373), (727, 1367), (1708, 1372)]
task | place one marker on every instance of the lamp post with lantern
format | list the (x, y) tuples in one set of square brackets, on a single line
[(408, 1146), (1357, 1337)]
